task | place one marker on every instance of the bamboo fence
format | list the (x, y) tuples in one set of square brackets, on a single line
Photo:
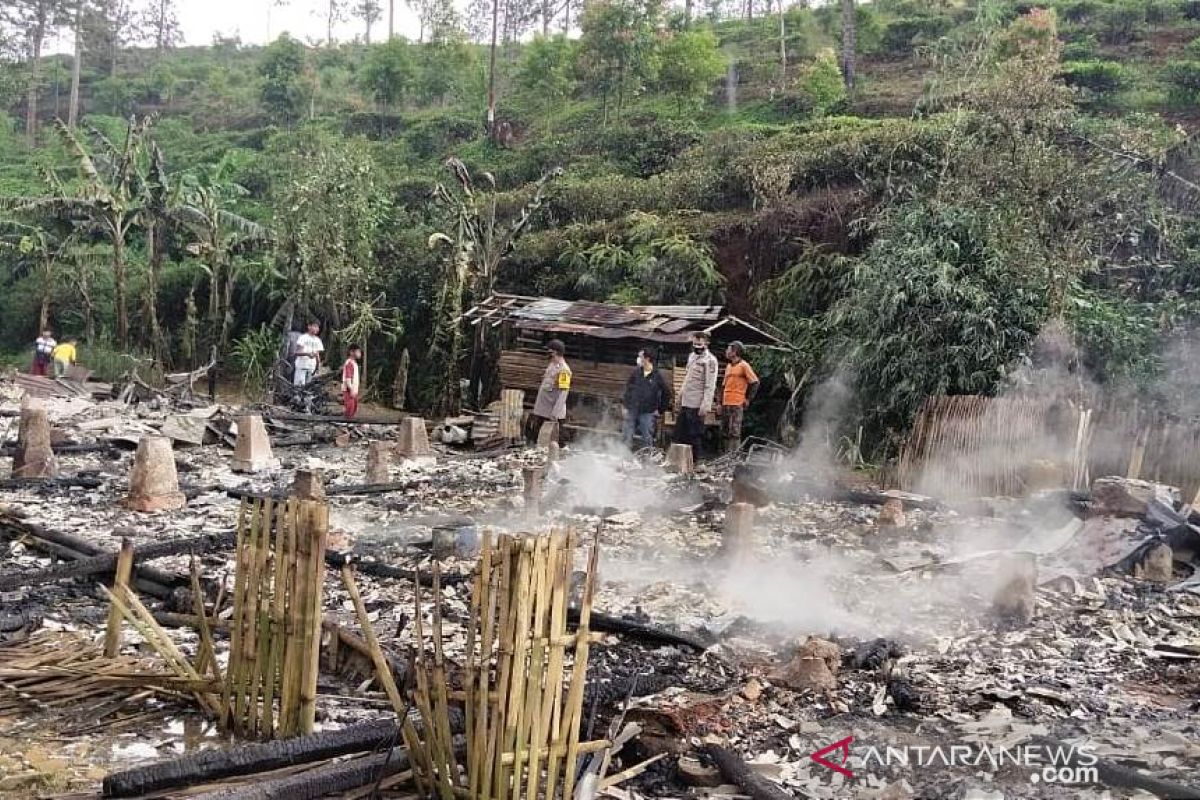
[(270, 686), (523, 703), (967, 445)]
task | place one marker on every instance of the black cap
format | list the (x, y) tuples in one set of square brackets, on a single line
[(556, 346)]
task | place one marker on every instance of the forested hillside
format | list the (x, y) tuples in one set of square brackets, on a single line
[(910, 191)]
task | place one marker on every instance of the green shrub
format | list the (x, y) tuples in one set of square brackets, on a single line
[(1077, 10), (1192, 48), (1097, 76), (822, 82), (1081, 49), (1162, 12), (1184, 79), (1190, 9), (1122, 22), (902, 36), (434, 135)]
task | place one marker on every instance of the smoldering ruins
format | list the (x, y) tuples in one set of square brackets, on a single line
[(211, 601)]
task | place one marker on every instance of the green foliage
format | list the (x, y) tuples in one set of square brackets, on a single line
[(254, 355), (655, 261), (690, 64), (389, 72), (1097, 76), (284, 92), (447, 70), (545, 73), (1121, 21), (936, 306), (902, 36), (821, 81), (617, 48), (1183, 77)]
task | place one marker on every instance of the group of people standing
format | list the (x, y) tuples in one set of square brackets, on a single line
[(648, 395), (307, 353), (48, 353)]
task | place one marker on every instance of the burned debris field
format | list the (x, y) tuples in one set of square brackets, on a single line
[(371, 614)]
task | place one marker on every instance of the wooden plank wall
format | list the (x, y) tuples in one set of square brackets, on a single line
[(979, 446)]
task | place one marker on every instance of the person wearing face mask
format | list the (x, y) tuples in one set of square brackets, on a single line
[(696, 396), (646, 396)]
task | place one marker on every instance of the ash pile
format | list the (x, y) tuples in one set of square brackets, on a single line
[(300, 607)]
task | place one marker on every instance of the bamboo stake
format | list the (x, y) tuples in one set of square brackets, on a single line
[(487, 608), (441, 702), (206, 659), (289, 691), (436, 746), (112, 635), (318, 526), (228, 699), (545, 569), (497, 705), (579, 674)]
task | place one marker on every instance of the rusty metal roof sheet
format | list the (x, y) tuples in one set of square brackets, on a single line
[(607, 321)]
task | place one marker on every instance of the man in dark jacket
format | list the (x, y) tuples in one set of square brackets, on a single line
[(647, 395)]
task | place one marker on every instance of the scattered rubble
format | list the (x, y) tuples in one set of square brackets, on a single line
[(919, 625)]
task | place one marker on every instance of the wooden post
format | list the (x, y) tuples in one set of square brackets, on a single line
[(379, 462), (738, 538), (533, 491), (1138, 454), (679, 459), (547, 433), (112, 636)]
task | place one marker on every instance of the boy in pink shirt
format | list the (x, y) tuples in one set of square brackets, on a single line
[(350, 381)]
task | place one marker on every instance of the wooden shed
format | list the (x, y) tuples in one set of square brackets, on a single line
[(602, 343)]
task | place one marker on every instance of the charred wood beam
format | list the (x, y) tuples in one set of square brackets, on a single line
[(736, 771), (293, 416), (310, 784), (151, 581), (81, 481), (871, 498), (330, 491), (250, 759), (377, 569), (106, 562), (98, 447), (343, 637), (606, 623)]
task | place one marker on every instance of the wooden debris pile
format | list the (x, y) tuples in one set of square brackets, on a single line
[(66, 673)]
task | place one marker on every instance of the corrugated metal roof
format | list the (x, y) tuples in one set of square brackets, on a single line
[(547, 308), (607, 321)]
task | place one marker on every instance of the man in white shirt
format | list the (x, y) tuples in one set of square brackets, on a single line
[(308, 354)]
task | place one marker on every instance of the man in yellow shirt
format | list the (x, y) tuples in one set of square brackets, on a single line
[(741, 384), (64, 356)]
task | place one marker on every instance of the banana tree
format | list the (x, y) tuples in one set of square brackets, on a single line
[(217, 235), (40, 251), (481, 240), (106, 204)]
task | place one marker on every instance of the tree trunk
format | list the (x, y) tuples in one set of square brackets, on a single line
[(491, 103), (687, 13), (400, 385), (114, 45), (782, 46), (119, 287), (35, 71), (227, 315), (76, 67), (547, 13), (47, 288), (848, 42), (391, 19), (161, 33), (89, 309), (158, 346), (749, 10), (329, 23)]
